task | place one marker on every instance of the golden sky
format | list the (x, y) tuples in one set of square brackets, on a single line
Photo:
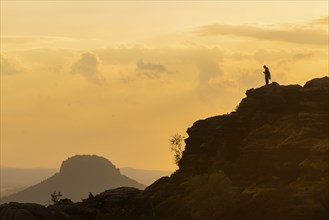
[(118, 78)]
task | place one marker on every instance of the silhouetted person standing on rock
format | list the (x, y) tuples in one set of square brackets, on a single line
[(267, 74)]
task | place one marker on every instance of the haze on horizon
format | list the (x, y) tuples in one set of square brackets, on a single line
[(117, 79)]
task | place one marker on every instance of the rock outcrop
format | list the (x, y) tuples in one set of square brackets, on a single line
[(268, 160), (270, 157)]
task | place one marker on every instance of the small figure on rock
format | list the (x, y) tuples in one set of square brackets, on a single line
[(267, 74), (91, 196)]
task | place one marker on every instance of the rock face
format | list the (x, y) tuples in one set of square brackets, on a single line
[(270, 158), (266, 161), (117, 203), (25, 211), (78, 176)]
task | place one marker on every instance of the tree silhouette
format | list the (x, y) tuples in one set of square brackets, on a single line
[(176, 142), (55, 197)]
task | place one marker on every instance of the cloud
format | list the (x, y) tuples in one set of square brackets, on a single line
[(10, 66), (88, 65), (297, 34), (222, 83), (21, 39), (209, 72), (264, 55), (208, 69), (320, 21), (150, 70)]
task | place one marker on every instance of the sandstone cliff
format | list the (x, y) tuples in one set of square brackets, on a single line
[(268, 160)]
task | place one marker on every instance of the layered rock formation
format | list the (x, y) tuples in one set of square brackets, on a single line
[(78, 176), (273, 150), (268, 160)]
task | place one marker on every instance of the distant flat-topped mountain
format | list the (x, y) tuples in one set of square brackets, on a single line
[(78, 176), (13, 180)]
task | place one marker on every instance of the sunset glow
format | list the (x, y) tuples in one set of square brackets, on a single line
[(117, 79)]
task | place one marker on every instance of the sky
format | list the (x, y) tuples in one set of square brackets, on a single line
[(118, 78)]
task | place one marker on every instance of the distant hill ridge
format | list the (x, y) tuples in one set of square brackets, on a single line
[(78, 176)]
